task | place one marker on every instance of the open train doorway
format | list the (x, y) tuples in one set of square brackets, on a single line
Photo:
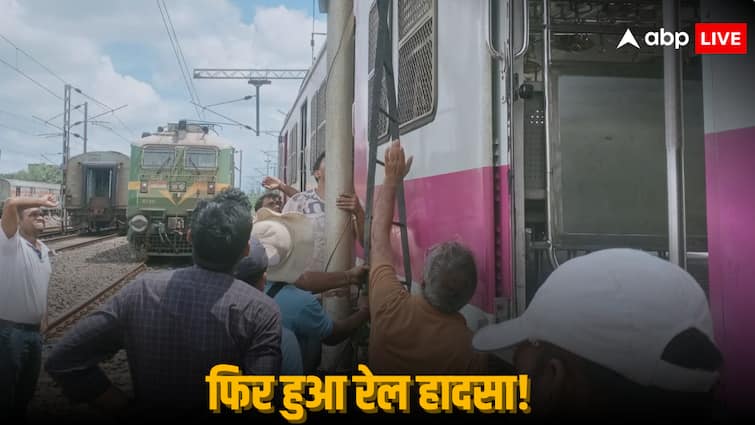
[(97, 192), (100, 193), (591, 129)]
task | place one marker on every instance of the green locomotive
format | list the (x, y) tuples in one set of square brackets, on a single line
[(171, 170)]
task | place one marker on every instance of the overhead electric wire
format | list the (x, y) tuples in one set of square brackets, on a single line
[(181, 53), (16, 129), (47, 123), (34, 59), (109, 110), (113, 131), (176, 46), (42, 86), (241, 124), (13, 114), (25, 53)]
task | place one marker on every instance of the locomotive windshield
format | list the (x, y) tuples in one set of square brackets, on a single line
[(201, 158), (158, 158)]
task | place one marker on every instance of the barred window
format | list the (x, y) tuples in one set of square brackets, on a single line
[(293, 155), (417, 87), (282, 157), (382, 120), (320, 126), (313, 107)]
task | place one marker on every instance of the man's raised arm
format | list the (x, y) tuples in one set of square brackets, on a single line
[(396, 167), (12, 205)]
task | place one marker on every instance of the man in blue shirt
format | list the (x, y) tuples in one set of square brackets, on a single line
[(252, 270), (289, 242)]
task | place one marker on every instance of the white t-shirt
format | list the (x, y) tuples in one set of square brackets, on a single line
[(310, 204), (24, 276)]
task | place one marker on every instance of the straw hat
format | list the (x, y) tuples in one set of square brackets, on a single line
[(289, 243)]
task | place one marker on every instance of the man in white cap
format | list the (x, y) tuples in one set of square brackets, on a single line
[(289, 241), (616, 331)]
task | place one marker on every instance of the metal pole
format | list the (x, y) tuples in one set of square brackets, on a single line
[(339, 160), (86, 118), (546, 87), (672, 84), (257, 99), (66, 146), (241, 164)]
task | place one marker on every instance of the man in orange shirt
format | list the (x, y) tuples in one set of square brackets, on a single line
[(418, 334)]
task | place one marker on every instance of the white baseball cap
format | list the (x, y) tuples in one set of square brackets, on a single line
[(618, 308)]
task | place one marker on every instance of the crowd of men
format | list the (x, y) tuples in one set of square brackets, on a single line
[(616, 331)]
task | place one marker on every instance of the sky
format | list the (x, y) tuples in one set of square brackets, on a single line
[(119, 53)]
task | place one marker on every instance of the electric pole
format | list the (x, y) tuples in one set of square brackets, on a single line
[(85, 125), (257, 84), (66, 152), (339, 146)]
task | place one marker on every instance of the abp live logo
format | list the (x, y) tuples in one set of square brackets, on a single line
[(720, 38), (710, 38)]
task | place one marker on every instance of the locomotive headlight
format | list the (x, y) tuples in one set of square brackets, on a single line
[(144, 187), (138, 223), (211, 188)]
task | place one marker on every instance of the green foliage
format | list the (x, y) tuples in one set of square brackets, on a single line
[(38, 173)]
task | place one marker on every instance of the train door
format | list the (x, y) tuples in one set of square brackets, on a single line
[(587, 132), (509, 35)]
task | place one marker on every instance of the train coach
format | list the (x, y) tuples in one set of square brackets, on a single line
[(96, 191), (536, 138), (171, 170), (10, 188)]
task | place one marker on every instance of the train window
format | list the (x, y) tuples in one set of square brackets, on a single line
[(417, 62), (320, 126), (313, 105), (18, 190), (282, 157), (158, 158), (303, 147), (201, 158), (293, 155), (317, 140), (382, 124)]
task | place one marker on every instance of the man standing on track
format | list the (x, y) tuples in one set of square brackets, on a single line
[(25, 266), (177, 324)]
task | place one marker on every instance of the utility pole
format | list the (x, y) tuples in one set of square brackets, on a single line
[(241, 164), (66, 152), (339, 98), (86, 118), (257, 84)]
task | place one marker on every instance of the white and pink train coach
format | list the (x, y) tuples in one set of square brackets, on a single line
[(535, 140)]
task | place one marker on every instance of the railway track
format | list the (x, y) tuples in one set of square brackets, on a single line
[(59, 324), (68, 242), (53, 233)]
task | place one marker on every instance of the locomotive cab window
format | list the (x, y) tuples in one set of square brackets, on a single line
[(157, 158), (201, 158)]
